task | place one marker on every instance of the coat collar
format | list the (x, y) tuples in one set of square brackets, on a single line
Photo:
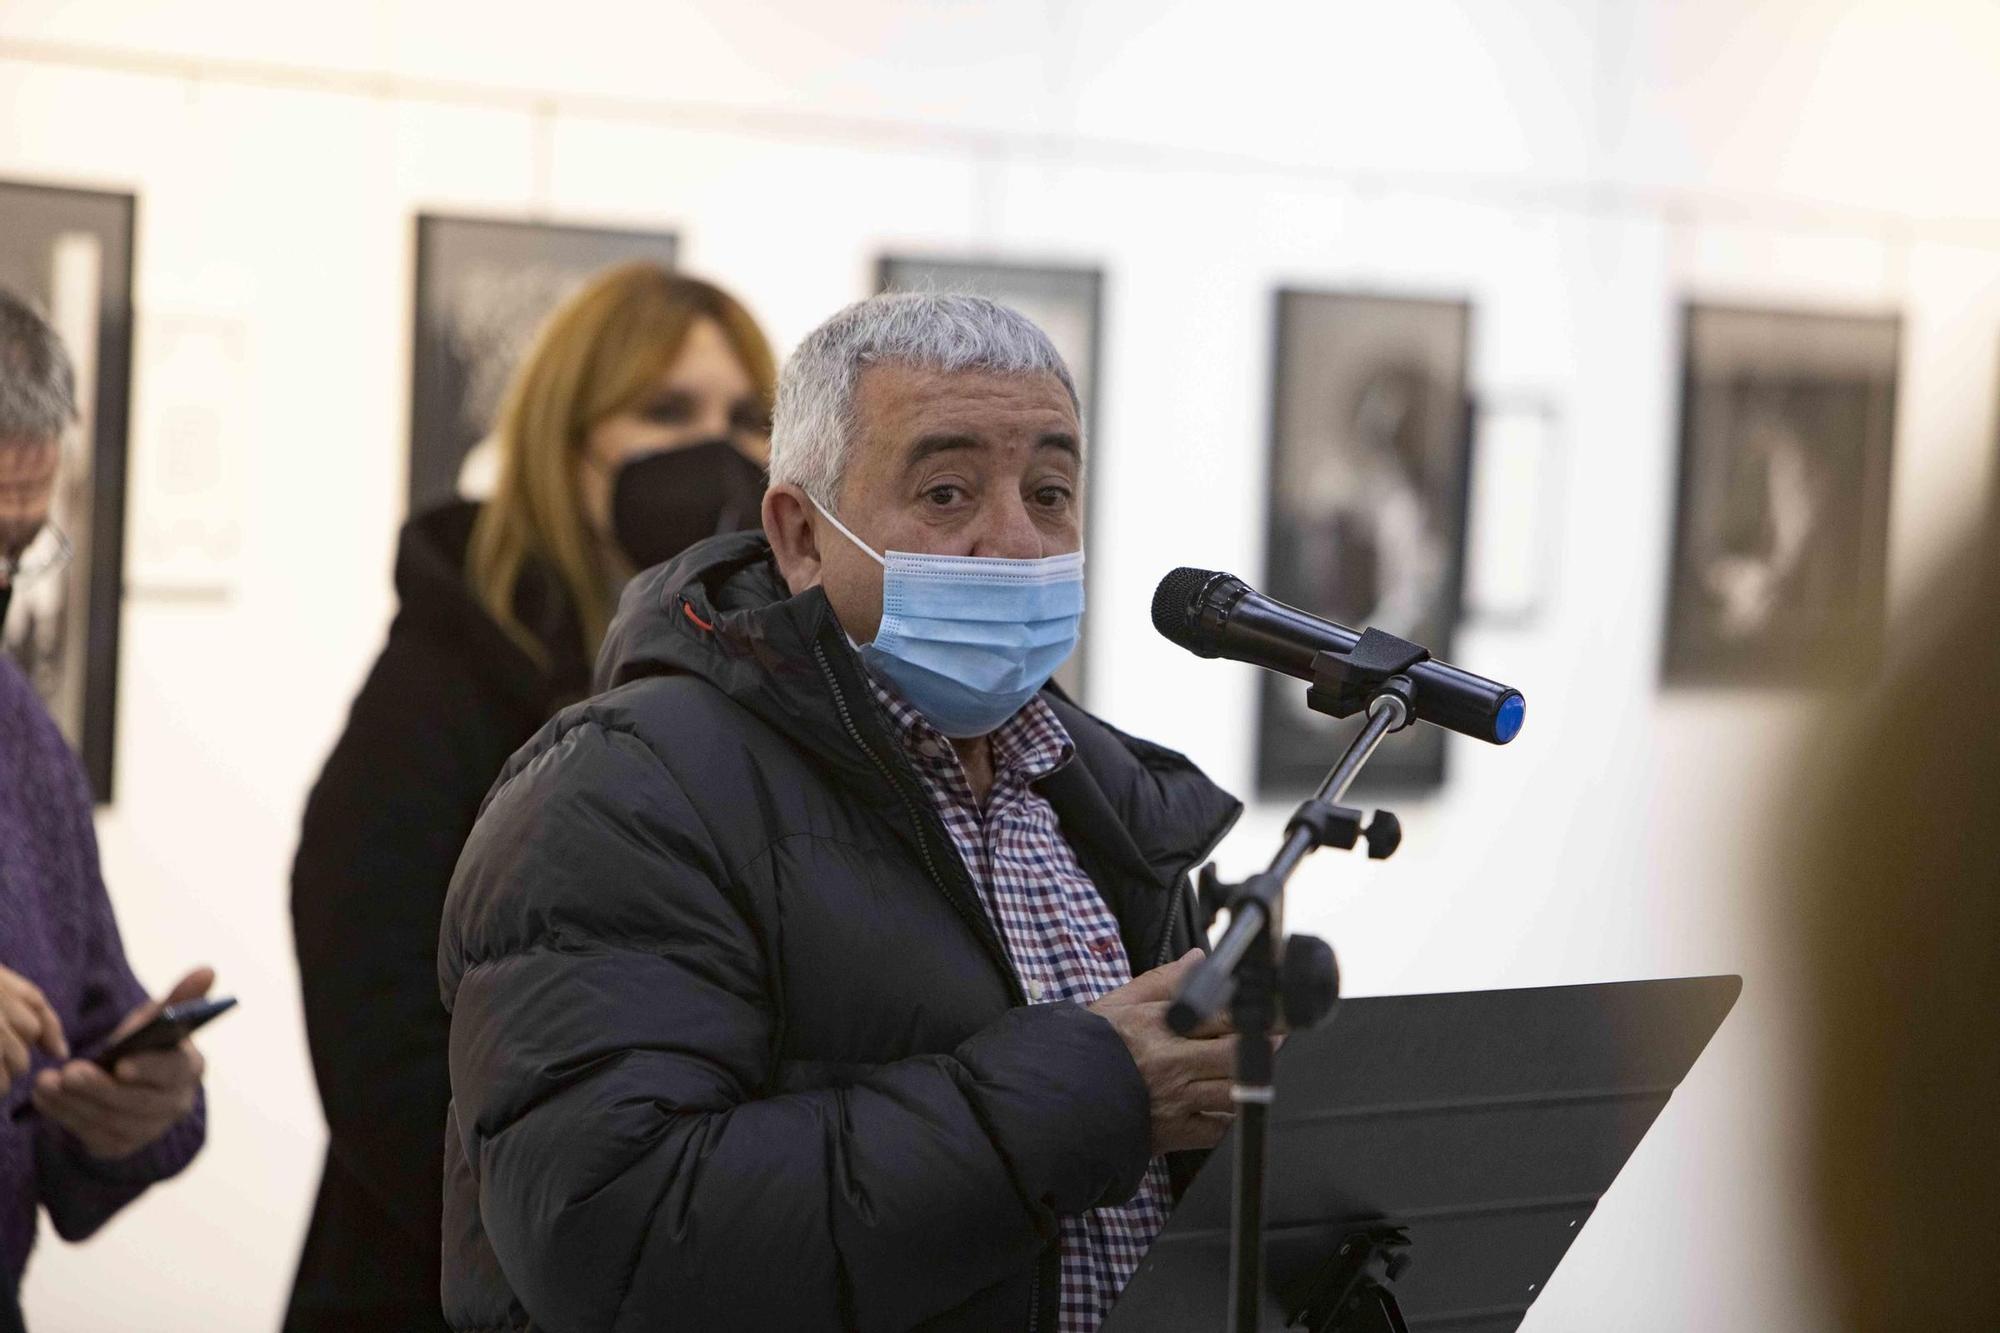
[(437, 600)]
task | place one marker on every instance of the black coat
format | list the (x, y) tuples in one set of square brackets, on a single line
[(448, 700), (733, 1043)]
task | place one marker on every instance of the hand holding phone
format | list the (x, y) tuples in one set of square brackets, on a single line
[(142, 1082)]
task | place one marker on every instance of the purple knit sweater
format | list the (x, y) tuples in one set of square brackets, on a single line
[(57, 930)]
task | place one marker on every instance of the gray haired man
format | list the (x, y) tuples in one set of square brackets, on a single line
[(76, 1140), (813, 977)]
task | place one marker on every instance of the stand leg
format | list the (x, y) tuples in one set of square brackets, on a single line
[(1247, 1264), (1254, 1013)]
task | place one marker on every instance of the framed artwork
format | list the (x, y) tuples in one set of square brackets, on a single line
[(69, 254), (1780, 560), (1068, 305), (484, 287), (1369, 471)]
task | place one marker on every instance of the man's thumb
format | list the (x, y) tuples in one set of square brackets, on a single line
[(192, 986), (1163, 981)]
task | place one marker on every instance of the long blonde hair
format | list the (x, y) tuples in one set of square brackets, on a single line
[(597, 354)]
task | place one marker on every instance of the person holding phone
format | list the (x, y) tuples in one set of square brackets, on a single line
[(94, 1138)]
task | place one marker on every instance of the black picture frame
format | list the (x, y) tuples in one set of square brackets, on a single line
[(483, 287), (1067, 301), (1779, 574), (69, 251), (1370, 474)]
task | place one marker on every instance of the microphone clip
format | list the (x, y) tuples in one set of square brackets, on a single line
[(1346, 683)]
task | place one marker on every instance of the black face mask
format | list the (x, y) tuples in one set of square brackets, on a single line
[(662, 503)]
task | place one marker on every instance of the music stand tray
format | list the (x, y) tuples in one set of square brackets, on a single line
[(1455, 1144)]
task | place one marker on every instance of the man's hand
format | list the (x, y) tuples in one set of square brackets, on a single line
[(1186, 1077), (114, 1113), (26, 1021)]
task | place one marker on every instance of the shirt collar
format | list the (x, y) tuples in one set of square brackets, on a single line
[(1027, 747)]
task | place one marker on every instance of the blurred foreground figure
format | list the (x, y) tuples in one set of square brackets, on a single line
[(1899, 898), (94, 1138), (638, 423), (792, 980)]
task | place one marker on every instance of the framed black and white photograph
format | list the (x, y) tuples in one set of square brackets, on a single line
[(1781, 537), (484, 286), (1066, 302), (1370, 460), (69, 254)]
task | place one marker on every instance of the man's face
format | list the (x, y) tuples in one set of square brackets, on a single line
[(27, 486), (951, 463)]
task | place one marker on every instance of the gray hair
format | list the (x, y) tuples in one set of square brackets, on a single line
[(37, 386), (812, 426)]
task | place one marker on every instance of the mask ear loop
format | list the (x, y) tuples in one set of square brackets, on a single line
[(827, 514)]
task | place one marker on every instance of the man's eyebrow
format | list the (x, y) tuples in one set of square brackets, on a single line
[(932, 445)]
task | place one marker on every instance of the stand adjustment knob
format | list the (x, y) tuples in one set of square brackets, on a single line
[(1308, 981), (1384, 834), (1211, 894)]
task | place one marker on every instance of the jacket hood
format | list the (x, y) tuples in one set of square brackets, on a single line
[(721, 611)]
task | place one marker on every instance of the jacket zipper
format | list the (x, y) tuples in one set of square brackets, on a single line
[(1174, 909), (979, 926), (916, 814), (1184, 896)]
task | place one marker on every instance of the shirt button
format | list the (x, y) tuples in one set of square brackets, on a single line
[(1036, 990)]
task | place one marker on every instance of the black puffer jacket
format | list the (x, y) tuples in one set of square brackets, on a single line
[(733, 1043)]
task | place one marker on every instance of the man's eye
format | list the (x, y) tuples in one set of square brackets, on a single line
[(1053, 497), (942, 495)]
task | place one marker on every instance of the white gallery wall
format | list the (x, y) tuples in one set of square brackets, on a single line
[(1575, 170)]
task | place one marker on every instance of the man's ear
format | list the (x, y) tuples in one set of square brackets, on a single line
[(788, 526)]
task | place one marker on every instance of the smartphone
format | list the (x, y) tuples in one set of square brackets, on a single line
[(167, 1030)]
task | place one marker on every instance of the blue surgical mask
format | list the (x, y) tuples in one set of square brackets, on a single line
[(967, 640)]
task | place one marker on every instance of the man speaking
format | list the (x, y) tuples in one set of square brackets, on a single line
[(792, 980)]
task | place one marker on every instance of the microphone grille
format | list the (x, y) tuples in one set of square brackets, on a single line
[(1176, 607)]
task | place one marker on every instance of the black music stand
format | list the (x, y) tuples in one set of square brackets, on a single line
[(1454, 1144)]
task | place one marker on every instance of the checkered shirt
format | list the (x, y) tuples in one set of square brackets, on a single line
[(1063, 941)]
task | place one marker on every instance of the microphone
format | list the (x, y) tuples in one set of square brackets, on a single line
[(1219, 615)]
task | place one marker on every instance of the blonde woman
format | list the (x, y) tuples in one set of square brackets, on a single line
[(637, 425)]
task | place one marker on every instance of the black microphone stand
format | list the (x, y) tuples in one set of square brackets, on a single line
[(1257, 980)]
